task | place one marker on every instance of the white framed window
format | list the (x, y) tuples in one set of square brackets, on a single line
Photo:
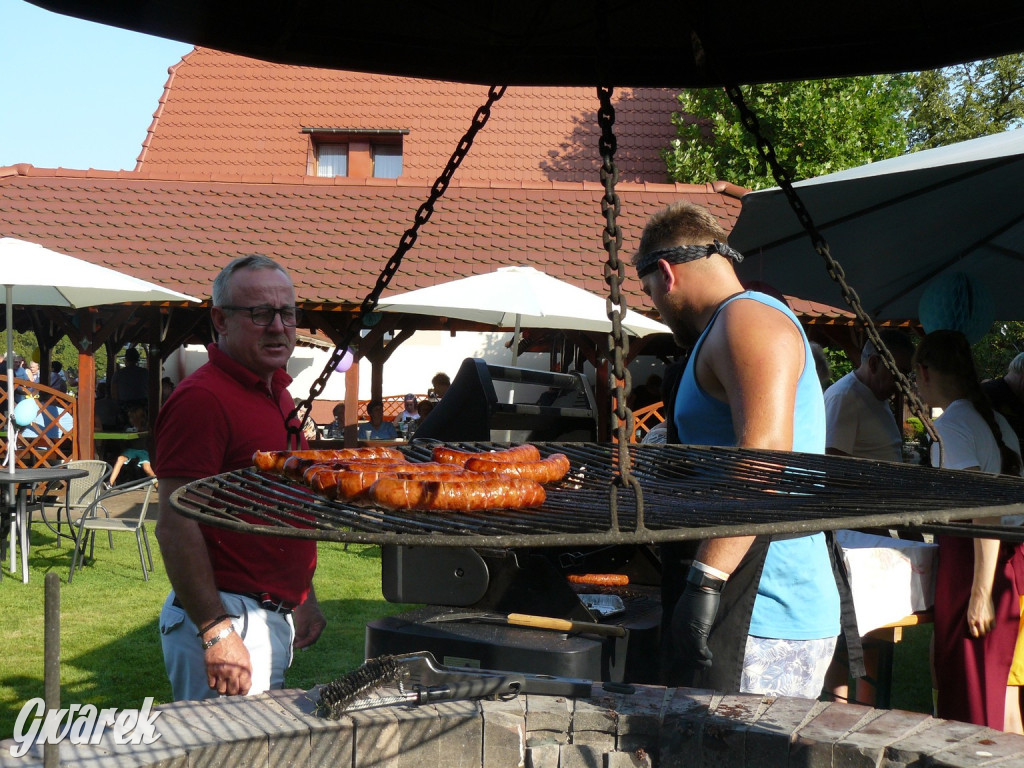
[(361, 152), (387, 160), (331, 159)]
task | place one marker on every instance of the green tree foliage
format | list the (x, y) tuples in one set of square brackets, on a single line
[(823, 126), (997, 348), (816, 127), (25, 344), (838, 363), (967, 101)]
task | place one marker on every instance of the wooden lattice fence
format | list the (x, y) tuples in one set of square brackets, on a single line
[(51, 439)]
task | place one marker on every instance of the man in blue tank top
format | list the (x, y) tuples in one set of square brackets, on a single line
[(750, 382)]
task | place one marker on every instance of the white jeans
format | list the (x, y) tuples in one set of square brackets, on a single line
[(267, 636)]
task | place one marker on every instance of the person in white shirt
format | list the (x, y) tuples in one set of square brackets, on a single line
[(410, 413), (859, 422), (976, 607), (858, 419)]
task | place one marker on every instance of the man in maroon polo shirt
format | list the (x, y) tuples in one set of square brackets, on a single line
[(240, 602)]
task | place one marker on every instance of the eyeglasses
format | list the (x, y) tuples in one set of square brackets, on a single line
[(264, 315)]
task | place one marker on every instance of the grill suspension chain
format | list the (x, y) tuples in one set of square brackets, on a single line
[(618, 342), (767, 152)]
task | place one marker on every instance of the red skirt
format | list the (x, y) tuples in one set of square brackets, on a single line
[(972, 672)]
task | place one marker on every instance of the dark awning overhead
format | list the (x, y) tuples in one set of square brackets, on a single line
[(563, 42)]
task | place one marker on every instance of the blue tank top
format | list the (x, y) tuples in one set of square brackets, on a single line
[(797, 598)]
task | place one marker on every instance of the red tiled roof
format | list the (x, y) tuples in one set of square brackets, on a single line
[(221, 112), (818, 312), (334, 236)]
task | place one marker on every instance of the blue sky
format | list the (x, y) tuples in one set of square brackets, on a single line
[(76, 94)]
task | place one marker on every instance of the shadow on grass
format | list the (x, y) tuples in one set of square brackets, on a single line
[(119, 673), (371, 551), (340, 648), (124, 670)]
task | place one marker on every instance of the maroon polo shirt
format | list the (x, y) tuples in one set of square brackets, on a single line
[(213, 422)]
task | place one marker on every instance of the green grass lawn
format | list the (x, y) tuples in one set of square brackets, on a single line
[(111, 646)]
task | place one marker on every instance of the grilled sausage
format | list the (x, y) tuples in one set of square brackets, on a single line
[(448, 475), (549, 470), (497, 493), (350, 481), (273, 461), (398, 466), (340, 483), (295, 468), (600, 579), (524, 452)]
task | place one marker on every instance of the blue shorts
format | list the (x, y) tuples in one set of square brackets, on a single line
[(140, 455)]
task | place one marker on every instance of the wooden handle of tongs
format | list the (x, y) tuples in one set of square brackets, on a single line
[(564, 625)]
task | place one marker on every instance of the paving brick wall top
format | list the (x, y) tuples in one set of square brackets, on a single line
[(653, 726)]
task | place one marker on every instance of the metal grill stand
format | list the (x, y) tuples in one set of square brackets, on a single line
[(467, 586)]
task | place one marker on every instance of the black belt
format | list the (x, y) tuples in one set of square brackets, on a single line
[(266, 601)]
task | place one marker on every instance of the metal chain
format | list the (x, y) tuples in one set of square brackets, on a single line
[(835, 270), (408, 239), (618, 342)]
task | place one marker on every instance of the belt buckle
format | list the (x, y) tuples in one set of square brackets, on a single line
[(268, 603)]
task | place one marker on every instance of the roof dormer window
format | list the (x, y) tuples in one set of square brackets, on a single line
[(354, 152), (331, 159)]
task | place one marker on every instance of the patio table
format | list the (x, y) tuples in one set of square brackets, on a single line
[(18, 484), (120, 435)]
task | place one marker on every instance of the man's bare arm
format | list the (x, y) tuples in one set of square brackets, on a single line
[(187, 561), (752, 360), (186, 558)]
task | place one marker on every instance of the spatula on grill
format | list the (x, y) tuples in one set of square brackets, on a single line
[(537, 622)]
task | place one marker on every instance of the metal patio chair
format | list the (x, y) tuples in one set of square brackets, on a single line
[(91, 522), (79, 494)]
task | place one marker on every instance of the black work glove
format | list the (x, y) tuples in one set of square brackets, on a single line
[(694, 616)]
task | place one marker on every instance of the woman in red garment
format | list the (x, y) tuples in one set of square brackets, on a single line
[(975, 618)]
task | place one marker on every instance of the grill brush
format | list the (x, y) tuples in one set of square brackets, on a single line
[(421, 680)]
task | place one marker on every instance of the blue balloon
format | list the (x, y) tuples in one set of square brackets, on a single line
[(26, 411)]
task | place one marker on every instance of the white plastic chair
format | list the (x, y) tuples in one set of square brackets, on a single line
[(90, 522)]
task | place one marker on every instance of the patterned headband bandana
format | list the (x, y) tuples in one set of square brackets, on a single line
[(680, 254)]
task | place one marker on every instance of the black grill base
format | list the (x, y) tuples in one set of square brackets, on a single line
[(523, 649)]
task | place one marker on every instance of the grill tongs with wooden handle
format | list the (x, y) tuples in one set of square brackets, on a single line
[(421, 680)]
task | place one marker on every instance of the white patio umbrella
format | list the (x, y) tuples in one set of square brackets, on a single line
[(36, 276), (897, 225), (518, 297)]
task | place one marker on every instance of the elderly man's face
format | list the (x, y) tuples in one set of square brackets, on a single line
[(261, 349), (883, 384)]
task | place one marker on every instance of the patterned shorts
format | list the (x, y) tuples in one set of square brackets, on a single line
[(786, 667)]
